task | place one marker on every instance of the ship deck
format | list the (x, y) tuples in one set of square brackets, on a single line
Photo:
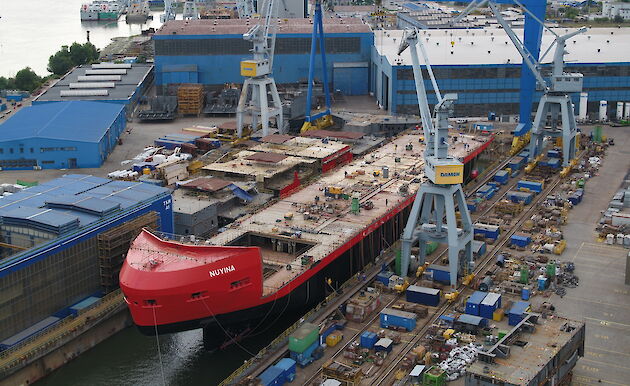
[(317, 229)]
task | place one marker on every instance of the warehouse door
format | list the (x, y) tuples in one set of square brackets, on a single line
[(351, 78), (72, 163)]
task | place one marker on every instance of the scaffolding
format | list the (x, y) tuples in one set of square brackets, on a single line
[(114, 244)]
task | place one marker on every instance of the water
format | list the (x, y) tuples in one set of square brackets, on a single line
[(33, 30), (129, 358)]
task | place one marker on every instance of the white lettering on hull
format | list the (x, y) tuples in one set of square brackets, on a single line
[(221, 271)]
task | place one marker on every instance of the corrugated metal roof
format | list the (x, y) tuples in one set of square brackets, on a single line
[(75, 121), (276, 138), (238, 27), (207, 184), (73, 201), (334, 134)]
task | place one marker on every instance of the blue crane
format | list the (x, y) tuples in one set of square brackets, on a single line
[(322, 119)]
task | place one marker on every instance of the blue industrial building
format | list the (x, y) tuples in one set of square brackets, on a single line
[(78, 134), (484, 69), (210, 51), (64, 240)]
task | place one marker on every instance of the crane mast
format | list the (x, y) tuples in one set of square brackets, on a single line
[(438, 197), (259, 83)]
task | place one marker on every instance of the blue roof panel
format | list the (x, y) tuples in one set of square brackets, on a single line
[(76, 121)]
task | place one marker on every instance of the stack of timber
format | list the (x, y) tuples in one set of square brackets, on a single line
[(190, 99)]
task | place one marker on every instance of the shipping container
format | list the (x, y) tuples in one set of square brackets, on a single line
[(333, 338), (488, 231), (307, 356), (28, 332), (554, 154), (472, 205), (518, 197), (516, 163), (502, 177), (525, 155), (83, 304), (395, 318), (287, 365), (271, 377), (474, 302), (368, 339), (439, 273), (520, 240), (490, 303), (526, 292), (498, 315), (515, 315), (384, 344), (478, 248), (423, 295), (531, 186), (384, 276), (554, 163), (303, 337)]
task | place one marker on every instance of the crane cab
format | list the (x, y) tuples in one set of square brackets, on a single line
[(255, 68)]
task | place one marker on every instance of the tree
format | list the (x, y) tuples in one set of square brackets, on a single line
[(60, 63), (618, 19), (27, 79), (75, 55)]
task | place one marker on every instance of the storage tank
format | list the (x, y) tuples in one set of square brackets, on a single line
[(583, 106), (619, 111), (603, 111)]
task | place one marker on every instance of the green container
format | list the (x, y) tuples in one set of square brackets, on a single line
[(502, 334), (28, 184), (345, 196), (431, 247), (303, 338), (355, 205), (551, 269), (398, 262), (435, 376), (524, 274), (597, 134)]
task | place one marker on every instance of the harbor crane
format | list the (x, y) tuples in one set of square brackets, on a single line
[(259, 83), (555, 116), (169, 11), (322, 119), (437, 198), (245, 8)]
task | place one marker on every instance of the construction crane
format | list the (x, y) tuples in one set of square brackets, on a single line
[(437, 198), (259, 83), (322, 119), (555, 102), (245, 8), (169, 11)]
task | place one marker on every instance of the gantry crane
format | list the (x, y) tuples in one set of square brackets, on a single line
[(437, 198), (259, 83), (322, 119), (245, 8), (169, 11), (555, 116)]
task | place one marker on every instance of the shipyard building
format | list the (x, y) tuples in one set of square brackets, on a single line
[(210, 51), (63, 241), (77, 134), (484, 68), (120, 83)]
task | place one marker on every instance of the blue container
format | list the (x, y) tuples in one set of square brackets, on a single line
[(287, 365), (502, 177), (526, 293), (448, 318), (440, 273), (516, 163), (554, 154), (472, 206), (488, 231), (368, 339), (14, 98), (332, 328), (272, 376), (518, 197), (492, 116), (474, 301), (384, 276), (306, 357), (394, 318), (530, 185), (554, 163), (3, 106), (478, 248), (524, 154), (423, 295), (85, 303), (484, 190), (520, 240), (384, 344), (490, 303), (542, 283), (515, 315)]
